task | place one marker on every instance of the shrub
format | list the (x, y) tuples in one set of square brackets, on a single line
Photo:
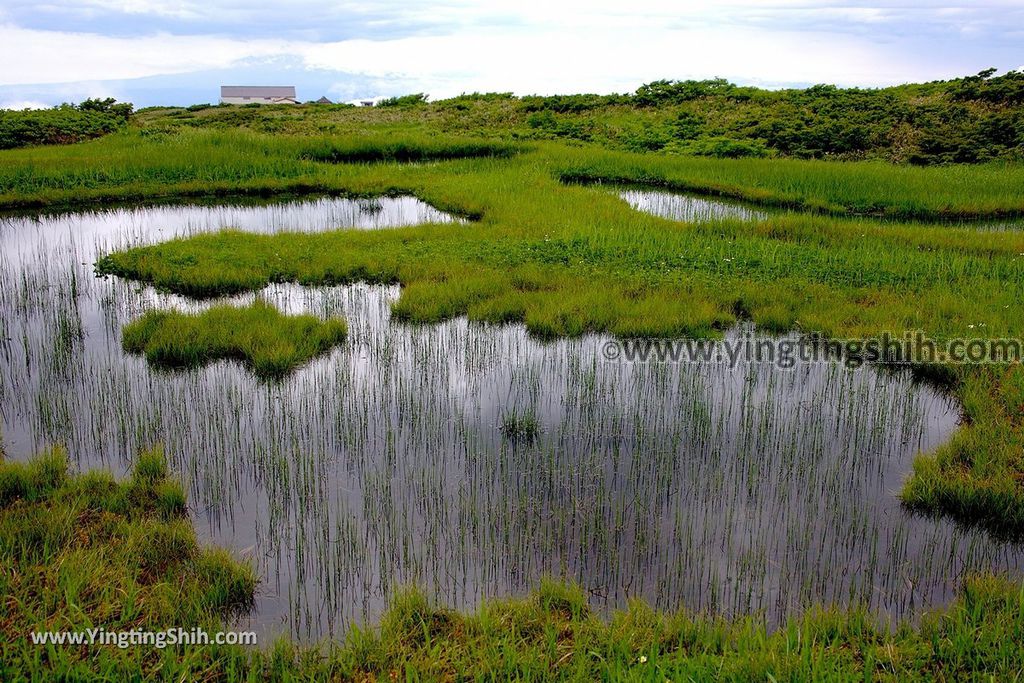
[(412, 100), (62, 125)]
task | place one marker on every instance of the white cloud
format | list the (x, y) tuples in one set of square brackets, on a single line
[(160, 8), (534, 46), (615, 58), (591, 58), (34, 56)]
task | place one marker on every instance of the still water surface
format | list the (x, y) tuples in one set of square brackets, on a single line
[(735, 490), (688, 207)]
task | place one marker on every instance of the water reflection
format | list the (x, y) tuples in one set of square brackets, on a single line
[(21, 233), (751, 489), (695, 208), (690, 208)]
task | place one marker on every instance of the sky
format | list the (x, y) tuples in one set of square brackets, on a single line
[(178, 52)]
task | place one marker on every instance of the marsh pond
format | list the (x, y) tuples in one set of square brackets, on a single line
[(472, 459)]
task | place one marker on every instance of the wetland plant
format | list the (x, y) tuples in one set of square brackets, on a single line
[(520, 427), (269, 342)]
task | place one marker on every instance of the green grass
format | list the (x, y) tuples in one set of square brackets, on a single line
[(965, 120), (270, 343), (871, 188), (206, 163), (566, 260), (338, 151), (978, 477), (519, 427), (554, 635), (140, 164), (544, 253), (85, 550), (79, 551)]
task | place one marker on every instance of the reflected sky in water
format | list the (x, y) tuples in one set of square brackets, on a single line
[(734, 490)]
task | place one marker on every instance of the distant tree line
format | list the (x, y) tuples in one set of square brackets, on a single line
[(978, 118), (62, 124), (404, 100), (973, 119)]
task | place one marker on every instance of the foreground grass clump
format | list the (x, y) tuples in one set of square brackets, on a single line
[(978, 477), (85, 551), (516, 427), (260, 336), (552, 635)]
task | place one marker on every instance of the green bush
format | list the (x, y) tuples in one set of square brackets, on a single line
[(62, 125), (404, 100)]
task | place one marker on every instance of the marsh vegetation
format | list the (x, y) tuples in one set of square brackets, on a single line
[(471, 460), (269, 342), (86, 549), (421, 396), (972, 119)]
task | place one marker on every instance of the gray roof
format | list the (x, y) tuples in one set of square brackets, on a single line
[(273, 91)]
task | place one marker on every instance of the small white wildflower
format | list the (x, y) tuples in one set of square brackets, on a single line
[(642, 659)]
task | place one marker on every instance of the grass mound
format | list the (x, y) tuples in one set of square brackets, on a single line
[(516, 427), (271, 343), (87, 551)]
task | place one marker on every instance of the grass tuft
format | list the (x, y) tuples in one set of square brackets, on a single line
[(517, 427), (83, 551), (34, 480), (272, 344), (151, 466)]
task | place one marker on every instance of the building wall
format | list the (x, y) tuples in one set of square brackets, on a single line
[(254, 100)]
